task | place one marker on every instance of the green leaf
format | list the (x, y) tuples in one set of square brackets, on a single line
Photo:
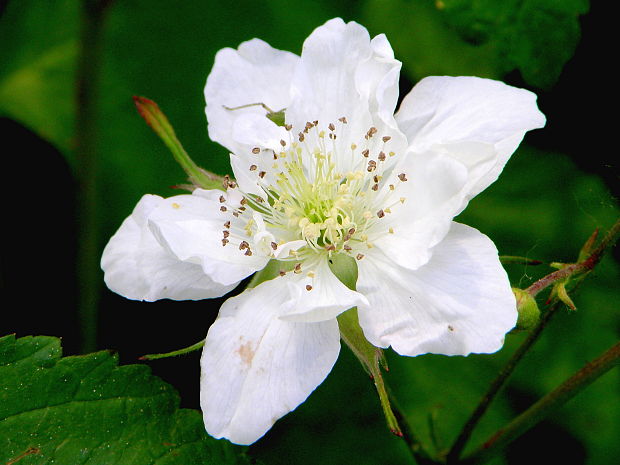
[(88, 410), (485, 38)]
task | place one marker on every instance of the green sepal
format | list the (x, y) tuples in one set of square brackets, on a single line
[(277, 117), (157, 120), (371, 357)]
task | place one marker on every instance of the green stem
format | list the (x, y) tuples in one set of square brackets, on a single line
[(174, 353), (88, 274), (510, 259), (545, 406), (496, 385)]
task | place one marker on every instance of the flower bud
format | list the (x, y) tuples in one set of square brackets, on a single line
[(529, 313)]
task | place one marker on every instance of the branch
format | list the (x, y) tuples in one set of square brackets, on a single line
[(541, 409)]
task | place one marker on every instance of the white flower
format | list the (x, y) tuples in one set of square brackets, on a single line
[(344, 177)]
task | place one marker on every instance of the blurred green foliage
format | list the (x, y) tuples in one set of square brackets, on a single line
[(542, 207)]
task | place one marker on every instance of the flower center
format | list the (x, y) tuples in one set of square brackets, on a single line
[(310, 191)]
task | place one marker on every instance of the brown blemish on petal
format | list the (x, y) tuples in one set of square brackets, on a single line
[(246, 353)]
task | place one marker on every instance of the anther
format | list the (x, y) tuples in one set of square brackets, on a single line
[(381, 156), (372, 165), (248, 252), (359, 256), (227, 224), (288, 127), (386, 138), (308, 287), (281, 272), (380, 213), (243, 245), (402, 177), (297, 268), (343, 120), (222, 199), (301, 137), (375, 187), (255, 150), (274, 246), (226, 234), (282, 143), (223, 208), (347, 247), (262, 174), (224, 242), (331, 126), (365, 152)]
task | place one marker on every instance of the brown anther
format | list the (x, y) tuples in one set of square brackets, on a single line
[(259, 199), (365, 152), (308, 125), (331, 126), (224, 242), (222, 199), (308, 287), (330, 247), (375, 187), (242, 209), (243, 245), (381, 156), (281, 272), (256, 150), (343, 120), (347, 247), (386, 138), (301, 137), (297, 268), (380, 213), (274, 246), (402, 177), (226, 234), (253, 167), (227, 224), (332, 136), (236, 214), (359, 256), (351, 231), (223, 208), (232, 184), (315, 122), (372, 165), (262, 174), (282, 143), (375, 178), (248, 252), (243, 201), (288, 127)]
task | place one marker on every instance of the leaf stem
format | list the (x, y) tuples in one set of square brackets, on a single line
[(541, 409), (174, 353)]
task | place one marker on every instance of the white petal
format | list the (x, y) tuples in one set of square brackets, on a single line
[(458, 303), (318, 297), (255, 73), (450, 110), (422, 207), (257, 367), (342, 73), (190, 227), (137, 267)]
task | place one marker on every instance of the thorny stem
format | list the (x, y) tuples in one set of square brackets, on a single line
[(496, 385), (586, 265), (583, 266), (541, 409)]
